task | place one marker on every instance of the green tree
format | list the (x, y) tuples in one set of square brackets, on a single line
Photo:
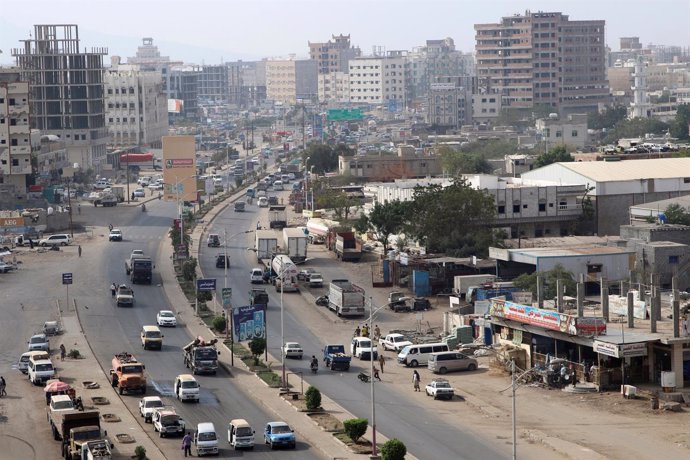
[(322, 157), (384, 220), (257, 346), (676, 214), (393, 449), (458, 162), (557, 154), (313, 398), (680, 126), (636, 127), (452, 219), (219, 323), (528, 281), (355, 428), (607, 118), (189, 269), (336, 200)]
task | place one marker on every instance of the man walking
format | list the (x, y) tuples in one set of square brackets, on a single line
[(63, 352), (79, 250), (187, 444), (415, 380), (382, 361), (3, 385)]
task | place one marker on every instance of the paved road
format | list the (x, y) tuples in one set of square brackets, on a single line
[(424, 435), (112, 330)]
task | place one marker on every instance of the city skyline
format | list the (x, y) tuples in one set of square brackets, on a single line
[(243, 29)]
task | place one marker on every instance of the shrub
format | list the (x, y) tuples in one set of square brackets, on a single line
[(393, 449), (189, 269), (313, 398), (257, 346), (74, 354), (355, 428), (204, 296), (219, 323), (140, 453)]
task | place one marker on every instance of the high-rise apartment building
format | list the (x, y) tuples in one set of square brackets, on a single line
[(148, 57), (184, 86), (379, 79), (334, 87), (333, 55), (15, 130), (438, 58), (289, 80), (213, 83), (449, 102), (66, 89), (544, 59), (136, 106), (246, 83)]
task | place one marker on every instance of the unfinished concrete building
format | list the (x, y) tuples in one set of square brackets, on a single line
[(66, 88)]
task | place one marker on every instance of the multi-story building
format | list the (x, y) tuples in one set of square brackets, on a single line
[(544, 59), (66, 89), (246, 83), (333, 55), (568, 131), (334, 87), (290, 80), (136, 106), (379, 79), (406, 164), (15, 130), (184, 85), (449, 102), (213, 83), (148, 57)]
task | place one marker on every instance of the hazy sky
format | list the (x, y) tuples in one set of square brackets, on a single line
[(213, 31)]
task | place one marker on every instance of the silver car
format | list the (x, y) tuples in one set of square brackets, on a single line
[(448, 361), (39, 342)]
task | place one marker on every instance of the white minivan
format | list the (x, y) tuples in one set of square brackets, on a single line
[(418, 354), (278, 186), (40, 370), (186, 388), (205, 439), (240, 434)]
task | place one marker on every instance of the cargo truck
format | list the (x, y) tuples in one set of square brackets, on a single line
[(346, 298), (266, 244), (347, 248), (295, 244), (75, 428), (201, 356), (285, 274), (462, 283), (277, 216)]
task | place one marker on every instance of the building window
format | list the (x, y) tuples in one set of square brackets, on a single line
[(574, 133), (673, 260), (516, 209), (562, 205), (542, 207), (501, 209), (524, 206), (594, 268)]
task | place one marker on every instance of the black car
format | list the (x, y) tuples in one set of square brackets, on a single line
[(222, 261), (272, 200)]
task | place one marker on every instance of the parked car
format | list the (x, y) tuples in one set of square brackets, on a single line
[(146, 406), (315, 280), (440, 389), (156, 186), (115, 235), (448, 361), (256, 276), (304, 274), (222, 261), (166, 318), (39, 342), (293, 350), (139, 193), (278, 434), (4, 268), (61, 239)]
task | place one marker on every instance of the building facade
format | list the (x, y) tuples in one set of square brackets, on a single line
[(136, 106), (334, 87), (568, 131), (406, 164), (214, 83), (379, 80), (288, 80), (66, 88), (544, 59), (333, 55), (184, 85), (449, 102), (15, 130), (436, 59)]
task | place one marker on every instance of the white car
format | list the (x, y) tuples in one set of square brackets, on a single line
[(140, 192), (156, 186), (56, 240), (257, 276), (115, 235), (146, 406), (293, 350), (166, 318), (440, 389), (263, 202)]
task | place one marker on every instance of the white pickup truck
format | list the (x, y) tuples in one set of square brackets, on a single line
[(395, 342)]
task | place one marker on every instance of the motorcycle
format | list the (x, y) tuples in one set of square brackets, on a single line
[(363, 377), (314, 368), (322, 301)]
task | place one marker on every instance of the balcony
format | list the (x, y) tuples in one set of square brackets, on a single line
[(20, 150), (20, 129), (18, 109)]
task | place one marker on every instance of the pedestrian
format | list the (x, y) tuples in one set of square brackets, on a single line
[(160, 195), (365, 330), (79, 208), (113, 288), (31, 243), (187, 444), (79, 250), (382, 361), (377, 333), (3, 385), (132, 196), (415, 380), (63, 352), (376, 374), (357, 332)]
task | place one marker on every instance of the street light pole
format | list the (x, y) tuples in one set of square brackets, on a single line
[(374, 453), (282, 327)]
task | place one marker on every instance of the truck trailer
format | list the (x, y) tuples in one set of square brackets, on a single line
[(295, 244)]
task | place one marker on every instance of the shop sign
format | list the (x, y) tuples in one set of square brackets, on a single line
[(590, 326), (522, 297), (11, 221), (618, 305), (534, 316), (628, 350)]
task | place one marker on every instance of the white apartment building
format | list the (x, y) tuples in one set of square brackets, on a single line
[(136, 106), (15, 130), (379, 80), (570, 130), (334, 87)]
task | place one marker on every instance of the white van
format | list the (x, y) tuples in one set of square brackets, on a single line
[(23, 363), (278, 186), (418, 354), (186, 388), (205, 439), (40, 370), (240, 434), (285, 178)]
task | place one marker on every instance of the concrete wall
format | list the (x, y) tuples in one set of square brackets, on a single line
[(613, 211), (614, 266)]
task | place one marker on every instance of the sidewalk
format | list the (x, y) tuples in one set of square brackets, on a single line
[(77, 371), (245, 380)]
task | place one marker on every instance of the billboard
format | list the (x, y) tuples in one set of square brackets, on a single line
[(175, 106), (179, 168), (249, 322)]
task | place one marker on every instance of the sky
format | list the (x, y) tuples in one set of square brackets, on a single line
[(216, 31)]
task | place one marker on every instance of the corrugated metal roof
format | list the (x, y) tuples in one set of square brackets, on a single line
[(657, 168), (569, 252)]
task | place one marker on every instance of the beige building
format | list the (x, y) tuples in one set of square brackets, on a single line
[(334, 87), (570, 130), (15, 130), (406, 164), (288, 80), (136, 106), (544, 59), (333, 55)]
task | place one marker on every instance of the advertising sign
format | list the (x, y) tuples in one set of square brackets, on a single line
[(590, 326), (249, 322), (179, 168), (627, 350), (11, 221), (175, 105), (66, 278), (534, 316), (618, 305), (206, 284), (226, 294), (180, 163)]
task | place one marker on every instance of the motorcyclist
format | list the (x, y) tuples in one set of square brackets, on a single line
[(143, 207), (314, 363)]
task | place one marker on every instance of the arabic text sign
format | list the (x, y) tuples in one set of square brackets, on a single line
[(206, 284), (618, 305), (249, 322), (627, 350), (534, 316)]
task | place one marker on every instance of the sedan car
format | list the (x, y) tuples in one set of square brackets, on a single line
[(115, 235), (293, 350), (155, 186), (166, 318), (304, 274), (146, 406), (278, 434), (222, 261), (140, 193), (39, 342), (4, 268), (440, 389)]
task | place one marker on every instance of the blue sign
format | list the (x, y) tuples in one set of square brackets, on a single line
[(206, 284), (66, 278), (249, 322)]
